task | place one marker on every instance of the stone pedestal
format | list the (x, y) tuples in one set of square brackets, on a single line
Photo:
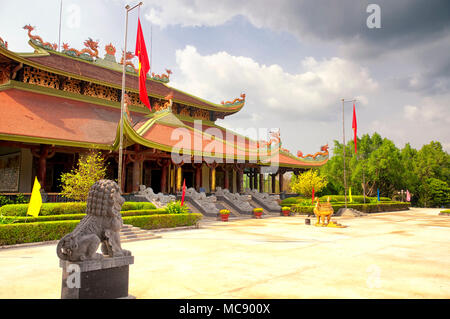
[(105, 278)]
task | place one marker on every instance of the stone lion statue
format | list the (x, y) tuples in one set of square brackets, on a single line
[(101, 224)]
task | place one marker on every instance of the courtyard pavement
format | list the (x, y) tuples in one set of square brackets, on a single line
[(386, 255)]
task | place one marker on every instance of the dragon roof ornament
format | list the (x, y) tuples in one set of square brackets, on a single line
[(323, 153), (37, 40), (236, 101), (88, 53), (3, 43)]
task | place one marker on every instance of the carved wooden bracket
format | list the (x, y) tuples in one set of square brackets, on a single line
[(163, 162), (212, 165), (44, 151)]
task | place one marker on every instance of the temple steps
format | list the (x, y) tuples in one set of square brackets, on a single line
[(223, 205), (256, 205), (130, 233)]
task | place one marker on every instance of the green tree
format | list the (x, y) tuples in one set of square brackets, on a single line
[(76, 184), (434, 193), (303, 183), (432, 162)]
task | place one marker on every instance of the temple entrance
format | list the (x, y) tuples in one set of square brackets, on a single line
[(155, 183), (189, 178)]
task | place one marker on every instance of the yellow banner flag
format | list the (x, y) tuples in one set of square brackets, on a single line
[(36, 200), (350, 194)]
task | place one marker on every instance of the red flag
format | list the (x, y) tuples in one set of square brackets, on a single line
[(144, 65), (313, 196), (184, 192), (354, 126)]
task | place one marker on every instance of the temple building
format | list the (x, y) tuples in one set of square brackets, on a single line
[(56, 105)]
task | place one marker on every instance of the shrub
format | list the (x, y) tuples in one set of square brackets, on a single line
[(285, 208), (224, 212), (18, 233), (257, 210), (291, 200), (77, 183), (34, 232), (176, 208), (356, 199), (137, 206), (30, 219), (48, 209), (305, 182), (163, 220), (4, 200), (366, 208)]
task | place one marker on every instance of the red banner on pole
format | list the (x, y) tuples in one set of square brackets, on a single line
[(354, 127), (144, 65), (184, 192)]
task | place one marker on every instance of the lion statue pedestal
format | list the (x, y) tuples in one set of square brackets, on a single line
[(86, 273)]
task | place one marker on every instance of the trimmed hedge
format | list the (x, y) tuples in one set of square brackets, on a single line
[(445, 212), (357, 199), (163, 220), (30, 219), (18, 233), (366, 208), (48, 209), (11, 234)]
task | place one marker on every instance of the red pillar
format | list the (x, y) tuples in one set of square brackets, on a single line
[(281, 180), (226, 179), (261, 182), (198, 176)]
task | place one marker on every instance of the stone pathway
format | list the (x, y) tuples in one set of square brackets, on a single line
[(386, 255)]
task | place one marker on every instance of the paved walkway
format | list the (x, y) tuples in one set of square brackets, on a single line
[(386, 255)]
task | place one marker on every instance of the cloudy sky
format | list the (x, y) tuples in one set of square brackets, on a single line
[(294, 59)]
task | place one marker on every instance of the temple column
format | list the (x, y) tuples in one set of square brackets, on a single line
[(164, 172), (198, 176), (179, 173), (43, 154), (274, 184), (261, 181), (226, 178), (137, 158), (255, 179), (212, 176), (239, 168), (281, 172)]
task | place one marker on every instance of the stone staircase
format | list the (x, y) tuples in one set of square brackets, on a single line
[(130, 233)]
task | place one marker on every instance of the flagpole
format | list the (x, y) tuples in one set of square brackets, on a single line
[(122, 102), (343, 140), (60, 18)]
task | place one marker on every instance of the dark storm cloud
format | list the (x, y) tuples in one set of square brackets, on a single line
[(403, 22)]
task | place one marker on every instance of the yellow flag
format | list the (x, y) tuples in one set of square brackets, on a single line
[(350, 194), (36, 200)]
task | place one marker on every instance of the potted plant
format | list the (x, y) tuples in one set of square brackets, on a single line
[(224, 213), (257, 212), (286, 211)]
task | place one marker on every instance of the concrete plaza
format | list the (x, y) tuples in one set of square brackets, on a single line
[(386, 255)]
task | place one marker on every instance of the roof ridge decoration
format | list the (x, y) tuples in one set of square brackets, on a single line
[(236, 101), (129, 66), (165, 78), (167, 105), (88, 53), (3, 43), (37, 40), (323, 152)]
